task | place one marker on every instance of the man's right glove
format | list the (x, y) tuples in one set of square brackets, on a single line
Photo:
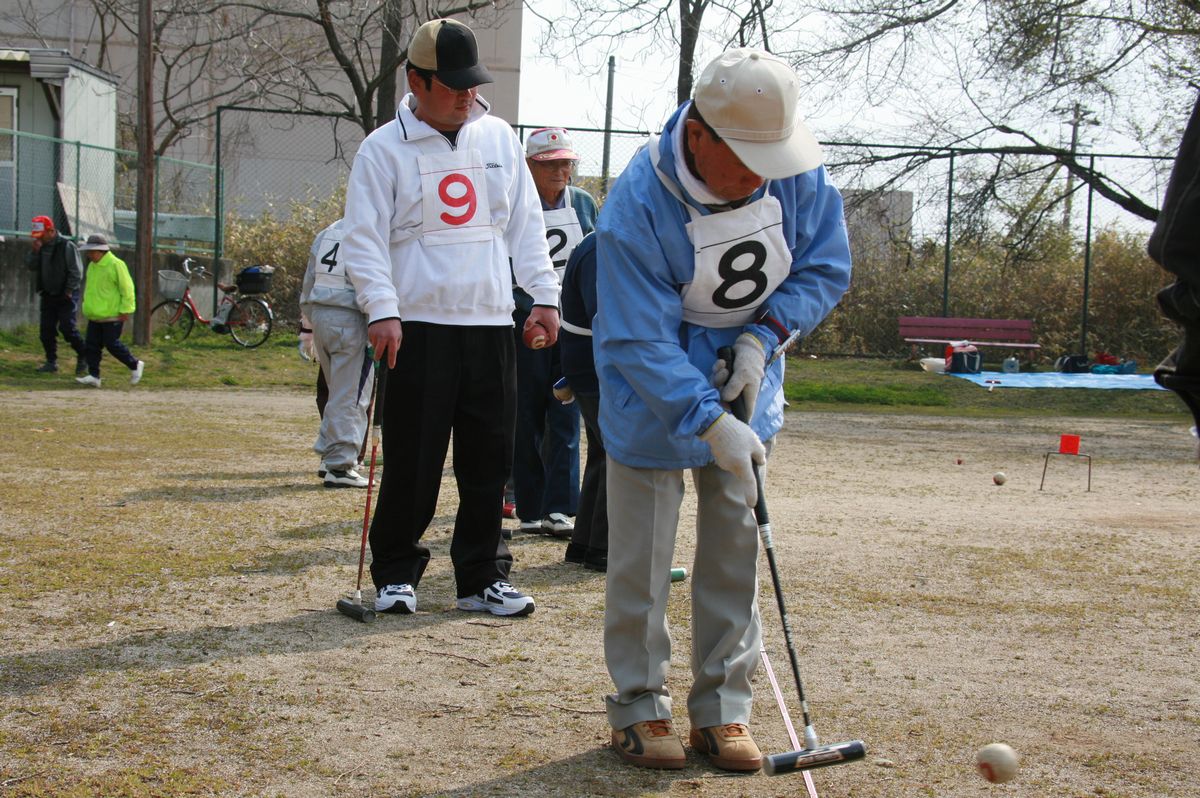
[(736, 449)]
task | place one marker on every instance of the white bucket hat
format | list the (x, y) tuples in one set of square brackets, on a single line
[(749, 98)]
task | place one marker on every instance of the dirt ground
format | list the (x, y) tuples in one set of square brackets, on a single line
[(169, 566)]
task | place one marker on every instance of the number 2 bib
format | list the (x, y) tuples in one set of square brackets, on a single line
[(563, 234), (454, 198), (741, 256)]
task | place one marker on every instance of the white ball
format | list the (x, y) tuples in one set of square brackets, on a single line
[(996, 762), (999, 478)]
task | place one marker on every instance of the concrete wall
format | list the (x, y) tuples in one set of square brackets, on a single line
[(19, 301)]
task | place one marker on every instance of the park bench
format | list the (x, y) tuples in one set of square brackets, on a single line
[(1009, 333)]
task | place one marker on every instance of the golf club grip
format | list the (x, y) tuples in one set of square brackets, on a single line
[(738, 408), (381, 372), (826, 755)]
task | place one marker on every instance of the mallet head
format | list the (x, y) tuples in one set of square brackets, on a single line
[(826, 755), (356, 611)]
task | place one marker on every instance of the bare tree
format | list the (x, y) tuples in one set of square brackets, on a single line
[(1009, 75), (681, 27), (362, 44)]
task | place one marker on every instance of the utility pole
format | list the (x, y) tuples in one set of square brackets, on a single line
[(1076, 119), (144, 252)]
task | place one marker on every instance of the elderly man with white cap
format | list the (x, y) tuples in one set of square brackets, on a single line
[(723, 232), (441, 215), (546, 448)]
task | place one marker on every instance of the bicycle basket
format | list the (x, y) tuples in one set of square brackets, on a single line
[(172, 285), (255, 279)]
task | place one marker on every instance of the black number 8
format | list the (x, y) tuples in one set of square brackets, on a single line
[(733, 276)]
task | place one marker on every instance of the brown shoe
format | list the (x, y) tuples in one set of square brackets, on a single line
[(729, 747), (650, 744)]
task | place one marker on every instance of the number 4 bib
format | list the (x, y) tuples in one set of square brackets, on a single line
[(454, 198)]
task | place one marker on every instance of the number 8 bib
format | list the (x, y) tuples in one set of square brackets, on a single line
[(454, 198), (741, 257)]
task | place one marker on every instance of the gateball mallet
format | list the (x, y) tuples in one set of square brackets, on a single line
[(354, 608), (813, 755)]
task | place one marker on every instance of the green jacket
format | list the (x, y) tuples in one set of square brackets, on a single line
[(108, 290)]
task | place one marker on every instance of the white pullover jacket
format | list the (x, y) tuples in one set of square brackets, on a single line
[(401, 269)]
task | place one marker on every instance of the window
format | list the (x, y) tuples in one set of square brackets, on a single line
[(8, 159)]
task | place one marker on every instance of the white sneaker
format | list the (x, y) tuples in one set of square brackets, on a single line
[(531, 527), (344, 478), (88, 379), (136, 377), (500, 598), (322, 469), (397, 598), (559, 525)]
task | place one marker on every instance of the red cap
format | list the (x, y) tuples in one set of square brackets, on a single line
[(41, 224)]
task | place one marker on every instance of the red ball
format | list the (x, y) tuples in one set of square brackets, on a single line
[(535, 336)]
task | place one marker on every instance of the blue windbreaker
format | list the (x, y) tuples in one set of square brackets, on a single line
[(655, 397)]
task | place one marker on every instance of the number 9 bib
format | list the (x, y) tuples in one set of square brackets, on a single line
[(454, 198), (740, 258)]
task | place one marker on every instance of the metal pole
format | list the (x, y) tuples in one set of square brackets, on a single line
[(218, 214), (79, 188), (608, 106), (1087, 263), (949, 230), (146, 179)]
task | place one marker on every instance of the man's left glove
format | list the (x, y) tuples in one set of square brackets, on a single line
[(749, 365), (306, 347)]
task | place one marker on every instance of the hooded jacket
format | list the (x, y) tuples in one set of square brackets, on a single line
[(399, 271), (109, 291), (655, 396)]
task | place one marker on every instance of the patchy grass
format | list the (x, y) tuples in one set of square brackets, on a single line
[(814, 383), (204, 360)]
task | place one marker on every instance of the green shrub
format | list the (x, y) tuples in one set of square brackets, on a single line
[(282, 240)]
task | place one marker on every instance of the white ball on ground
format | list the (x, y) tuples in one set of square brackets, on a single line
[(999, 478), (996, 762)]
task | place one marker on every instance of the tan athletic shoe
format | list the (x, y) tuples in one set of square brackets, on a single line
[(729, 747), (650, 744)]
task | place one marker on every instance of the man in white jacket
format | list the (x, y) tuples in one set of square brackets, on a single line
[(439, 201)]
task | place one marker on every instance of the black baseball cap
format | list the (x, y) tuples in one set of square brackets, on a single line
[(447, 48)]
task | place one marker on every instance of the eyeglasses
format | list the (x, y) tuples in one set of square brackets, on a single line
[(452, 90), (564, 164)]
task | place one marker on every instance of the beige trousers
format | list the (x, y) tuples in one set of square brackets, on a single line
[(643, 516)]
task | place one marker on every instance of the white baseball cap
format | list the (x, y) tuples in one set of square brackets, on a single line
[(550, 144), (749, 98)]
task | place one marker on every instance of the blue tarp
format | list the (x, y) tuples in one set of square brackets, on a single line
[(1054, 379)]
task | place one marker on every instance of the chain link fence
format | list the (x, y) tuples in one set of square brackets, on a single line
[(88, 189), (934, 231)]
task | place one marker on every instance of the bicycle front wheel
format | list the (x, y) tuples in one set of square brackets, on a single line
[(250, 322), (170, 322)]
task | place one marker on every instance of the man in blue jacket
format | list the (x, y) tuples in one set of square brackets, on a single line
[(723, 231)]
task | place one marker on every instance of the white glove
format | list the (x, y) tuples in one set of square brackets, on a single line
[(306, 347), (749, 364), (718, 375), (737, 449)]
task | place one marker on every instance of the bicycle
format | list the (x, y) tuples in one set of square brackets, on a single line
[(247, 319)]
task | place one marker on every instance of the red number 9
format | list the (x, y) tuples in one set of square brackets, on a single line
[(467, 200)]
